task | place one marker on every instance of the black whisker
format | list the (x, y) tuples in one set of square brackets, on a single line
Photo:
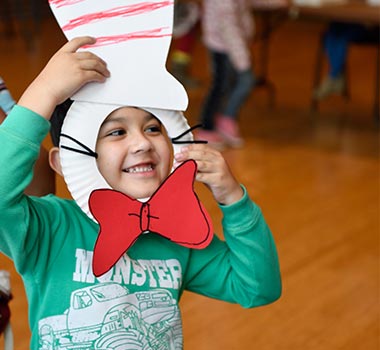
[(175, 140), (87, 151)]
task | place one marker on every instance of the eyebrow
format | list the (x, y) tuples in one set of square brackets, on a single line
[(147, 118)]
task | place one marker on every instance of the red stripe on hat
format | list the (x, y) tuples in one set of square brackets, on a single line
[(121, 11), (62, 3), (116, 39)]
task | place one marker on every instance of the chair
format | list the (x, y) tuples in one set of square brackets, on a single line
[(269, 14), (318, 72)]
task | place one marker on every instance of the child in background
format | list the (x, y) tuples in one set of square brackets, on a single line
[(135, 304), (185, 30), (227, 30), (6, 100)]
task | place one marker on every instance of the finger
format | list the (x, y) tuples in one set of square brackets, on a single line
[(204, 150), (203, 165), (212, 169), (95, 65), (93, 76), (206, 159), (203, 177), (87, 55), (74, 44), (206, 166), (208, 179), (196, 152)]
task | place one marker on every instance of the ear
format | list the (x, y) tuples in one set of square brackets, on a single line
[(54, 160)]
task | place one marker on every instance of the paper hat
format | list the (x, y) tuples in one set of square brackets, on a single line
[(133, 37)]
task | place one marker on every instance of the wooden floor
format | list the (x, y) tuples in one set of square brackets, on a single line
[(316, 178)]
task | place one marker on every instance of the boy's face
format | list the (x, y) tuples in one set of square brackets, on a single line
[(134, 152)]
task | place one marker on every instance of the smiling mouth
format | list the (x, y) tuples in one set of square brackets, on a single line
[(139, 169)]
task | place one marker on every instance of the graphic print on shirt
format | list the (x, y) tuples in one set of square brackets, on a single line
[(108, 316)]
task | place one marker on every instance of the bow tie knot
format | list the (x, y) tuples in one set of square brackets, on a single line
[(174, 212), (145, 217)]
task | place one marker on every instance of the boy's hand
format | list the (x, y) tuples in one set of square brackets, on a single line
[(65, 73), (213, 171)]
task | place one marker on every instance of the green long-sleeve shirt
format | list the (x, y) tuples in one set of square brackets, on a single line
[(134, 305)]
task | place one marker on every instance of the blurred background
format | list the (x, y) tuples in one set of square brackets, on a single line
[(310, 162)]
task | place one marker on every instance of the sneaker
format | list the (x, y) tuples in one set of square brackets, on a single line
[(330, 86), (212, 137), (229, 130)]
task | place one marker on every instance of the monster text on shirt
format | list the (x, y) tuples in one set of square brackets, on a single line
[(158, 273)]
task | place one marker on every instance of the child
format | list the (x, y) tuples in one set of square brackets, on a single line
[(185, 30), (135, 304), (6, 99), (227, 29)]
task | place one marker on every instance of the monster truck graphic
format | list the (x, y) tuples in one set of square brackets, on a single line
[(106, 316)]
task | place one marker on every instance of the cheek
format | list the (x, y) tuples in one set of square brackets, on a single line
[(171, 161), (168, 155), (107, 160), (102, 167)]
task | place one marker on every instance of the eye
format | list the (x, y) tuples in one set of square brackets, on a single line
[(154, 129), (118, 132)]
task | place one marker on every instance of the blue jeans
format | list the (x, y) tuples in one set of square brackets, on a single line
[(337, 39), (229, 90)]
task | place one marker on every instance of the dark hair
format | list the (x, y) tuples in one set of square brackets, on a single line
[(56, 120)]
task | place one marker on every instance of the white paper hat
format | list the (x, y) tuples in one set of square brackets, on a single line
[(133, 37)]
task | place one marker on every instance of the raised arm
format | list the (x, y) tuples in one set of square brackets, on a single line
[(244, 268), (24, 129)]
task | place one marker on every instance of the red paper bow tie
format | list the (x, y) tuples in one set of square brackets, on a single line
[(174, 212)]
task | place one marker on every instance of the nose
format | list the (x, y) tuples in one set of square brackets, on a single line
[(139, 142)]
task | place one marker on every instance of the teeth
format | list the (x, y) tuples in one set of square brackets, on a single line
[(139, 169)]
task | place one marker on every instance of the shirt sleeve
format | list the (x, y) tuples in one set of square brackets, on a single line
[(244, 268), (21, 135)]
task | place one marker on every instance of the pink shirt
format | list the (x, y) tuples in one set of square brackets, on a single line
[(228, 28)]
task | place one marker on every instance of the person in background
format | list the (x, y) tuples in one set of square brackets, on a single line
[(336, 41), (185, 31), (6, 99), (227, 28)]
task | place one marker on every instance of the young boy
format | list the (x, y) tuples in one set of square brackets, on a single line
[(135, 304)]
